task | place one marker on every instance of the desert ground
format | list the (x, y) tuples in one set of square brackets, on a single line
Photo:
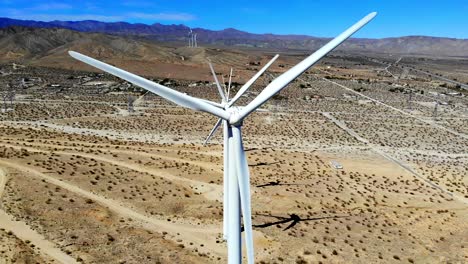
[(84, 178)]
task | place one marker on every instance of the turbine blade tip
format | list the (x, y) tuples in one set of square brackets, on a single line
[(76, 55)]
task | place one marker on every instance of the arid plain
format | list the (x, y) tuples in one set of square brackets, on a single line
[(85, 180)]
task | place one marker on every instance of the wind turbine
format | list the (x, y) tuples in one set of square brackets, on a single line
[(190, 40), (225, 103), (236, 171)]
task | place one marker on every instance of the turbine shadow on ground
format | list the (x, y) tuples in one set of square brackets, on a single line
[(293, 219), (252, 149), (278, 183), (263, 164)]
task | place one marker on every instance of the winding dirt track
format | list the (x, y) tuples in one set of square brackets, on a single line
[(3, 181), (209, 191), (25, 233), (199, 235), (192, 233), (379, 151), (429, 122), (196, 234)]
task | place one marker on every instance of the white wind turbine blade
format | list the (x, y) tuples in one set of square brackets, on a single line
[(243, 179), (163, 91), (229, 85), (247, 85), (284, 79), (220, 90), (212, 103), (224, 85), (213, 131), (224, 82)]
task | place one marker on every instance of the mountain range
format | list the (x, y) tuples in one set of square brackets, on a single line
[(49, 46), (422, 45)]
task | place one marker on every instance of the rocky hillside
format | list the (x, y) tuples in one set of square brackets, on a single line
[(49, 46), (232, 37)]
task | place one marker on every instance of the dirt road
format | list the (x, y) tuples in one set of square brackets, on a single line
[(390, 158), (193, 233), (25, 233), (209, 190), (429, 122)]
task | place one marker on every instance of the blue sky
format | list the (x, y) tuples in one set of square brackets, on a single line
[(314, 17)]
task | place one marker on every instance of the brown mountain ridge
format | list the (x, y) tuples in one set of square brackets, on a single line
[(232, 37)]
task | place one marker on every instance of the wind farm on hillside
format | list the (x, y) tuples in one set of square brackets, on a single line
[(362, 158)]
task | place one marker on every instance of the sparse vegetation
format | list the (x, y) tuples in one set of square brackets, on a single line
[(305, 210)]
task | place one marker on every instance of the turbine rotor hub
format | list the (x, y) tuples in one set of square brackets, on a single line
[(234, 116), (224, 104)]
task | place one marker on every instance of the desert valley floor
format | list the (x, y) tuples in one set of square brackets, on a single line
[(85, 180)]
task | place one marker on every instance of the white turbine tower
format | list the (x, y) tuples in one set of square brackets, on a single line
[(225, 102), (236, 172), (190, 38)]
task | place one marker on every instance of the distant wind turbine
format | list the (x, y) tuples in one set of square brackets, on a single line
[(190, 38)]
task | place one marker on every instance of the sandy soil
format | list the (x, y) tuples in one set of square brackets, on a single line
[(99, 184), (23, 232)]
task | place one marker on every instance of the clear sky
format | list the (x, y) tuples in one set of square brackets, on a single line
[(314, 17)]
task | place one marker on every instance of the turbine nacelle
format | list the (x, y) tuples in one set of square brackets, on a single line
[(234, 116)]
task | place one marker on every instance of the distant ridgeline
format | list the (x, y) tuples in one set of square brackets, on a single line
[(232, 37)]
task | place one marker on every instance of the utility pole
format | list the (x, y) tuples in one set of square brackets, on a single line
[(410, 98), (435, 110), (130, 100), (4, 96), (11, 96)]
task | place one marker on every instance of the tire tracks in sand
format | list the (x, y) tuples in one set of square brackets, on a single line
[(209, 190), (22, 231), (196, 234)]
